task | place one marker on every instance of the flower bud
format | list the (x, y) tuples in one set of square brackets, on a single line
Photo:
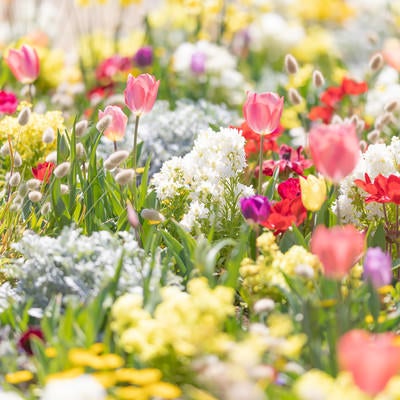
[(383, 120), (363, 146), (295, 97), (48, 136), (291, 65), (104, 123), (5, 149), (117, 158), (62, 170), (52, 157), (304, 271), (373, 136), (360, 126), (376, 62), (64, 189), (15, 179), (46, 208), (15, 207), (17, 160), (263, 305), (108, 165), (313, 192), (153, 216), (81, 127), (24, 115), (33, 184), (80, 151), (23, 189), (133, 218), (318, 79), (35, 196), (125, 176), (18, 200), (391, 106)]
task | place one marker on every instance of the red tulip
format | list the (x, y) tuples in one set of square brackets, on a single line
[(263, 112), (383, 190), (24, 64), (371, 359), (352, 87), (338, 248), (24, 341), (334, 149), (141, 93), (115, 131), (43, 171)]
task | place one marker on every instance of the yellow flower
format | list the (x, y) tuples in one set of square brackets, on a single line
[(313, 192), (131, 392), (68, 374), (138, 376), (314, 384), (19, 377), (280, 325), (164, 390), (106, 379), (50, 352)]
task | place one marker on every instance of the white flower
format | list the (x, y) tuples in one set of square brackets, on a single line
[(84, 387), (9, 396)]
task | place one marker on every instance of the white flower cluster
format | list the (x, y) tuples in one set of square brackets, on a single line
[(377, 159), (207, 62), (76, 266), (166, 133), (216, 159)]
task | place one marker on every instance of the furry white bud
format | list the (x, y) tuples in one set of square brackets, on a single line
[(33, 184), (15, 179), (48, 136), (46, 208), (318, 79), (117, 158), (35, 196), (23, 189), (24, 116), (5, 149), (263, 305), (152, 215), (17, 160), (80, 151), (392, 106), (62, 170), (81, 128), (291, 65), (104, 123), (125, 176), (373, 136), (64, 189), (376, 62), (294, 97)]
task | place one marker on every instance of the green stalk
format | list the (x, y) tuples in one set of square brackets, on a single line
[(260, 162), (135, 142)]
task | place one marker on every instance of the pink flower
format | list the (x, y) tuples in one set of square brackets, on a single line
[(141, 93), (334, 149), (8, 102), (24, 64), (115, 130), (371, 359), (338, 248), (263, 111)]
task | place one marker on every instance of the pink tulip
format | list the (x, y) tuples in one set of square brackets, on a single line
[(335, 150), (24, 64), (338, 248), (263, 111), (115, 130), (371, 359), (141, 93)]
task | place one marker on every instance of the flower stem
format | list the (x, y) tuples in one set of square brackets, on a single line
[(134, 151), (260, 162), (338, 215)]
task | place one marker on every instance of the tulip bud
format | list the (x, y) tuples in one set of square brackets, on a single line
[(376, 62), (255, 209), (52, 157), (24, 115), (291, 65), (391, 106), (48, 136), (318, 79), (33, 184), (5, 149), (263, 305), (104, 123), (373, 136), (117, 158), (125, 176), (80, 151), (153, 216), (313, 192), (35, 196), (295, 97), (17, 160), (64, 189), (15, 179), (81, 127), (62, 170)]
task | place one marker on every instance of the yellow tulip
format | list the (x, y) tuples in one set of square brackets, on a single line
[(313, 192)]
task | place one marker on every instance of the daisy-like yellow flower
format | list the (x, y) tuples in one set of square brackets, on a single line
[(19, 377)]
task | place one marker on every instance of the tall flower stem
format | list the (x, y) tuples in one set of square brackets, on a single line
[(338, 214), (135, 134), (260, 162)]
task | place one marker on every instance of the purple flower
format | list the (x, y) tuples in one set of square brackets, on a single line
[(378, 267), (144, 56), (198, 62), (256, 208)]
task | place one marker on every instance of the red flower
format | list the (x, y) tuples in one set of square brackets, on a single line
[(289, 189), (332, 95), (8, 102), (289, 159), (43, 171), (98, 93), (24, 341), (323, 113), (352, 87), (253, 139), (110, 67), (382, 190), (284, 214)]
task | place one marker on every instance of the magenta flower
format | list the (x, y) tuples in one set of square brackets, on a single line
[(8, 102), (143, 57), (24, 341), (378, 267), (255, 209)]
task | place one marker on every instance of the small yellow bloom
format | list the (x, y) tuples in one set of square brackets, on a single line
[(131, 392), (68, 374), (50, 352), (106, 379), (313, 192), (164, 390), (18, 377), (97, 348), (111, 361), (138, 376)]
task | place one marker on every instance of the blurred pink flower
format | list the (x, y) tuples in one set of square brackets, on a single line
[(8, 102), (24, 64), (115, 130), (263, 111), (372, 359), (338, 248), (334, 149), (141, 93)]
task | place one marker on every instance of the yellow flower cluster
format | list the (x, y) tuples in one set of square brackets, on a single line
[(27, 139), (176, 321), (264, 276), (123, 3)]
